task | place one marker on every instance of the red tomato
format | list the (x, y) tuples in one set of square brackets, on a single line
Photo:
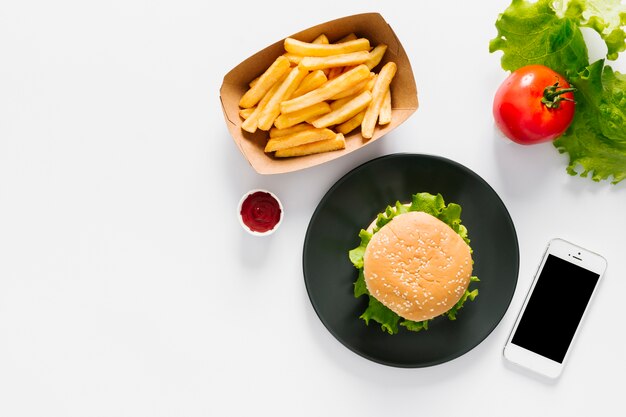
[(534, 104)]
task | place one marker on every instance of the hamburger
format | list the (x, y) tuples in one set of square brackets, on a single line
[(415, 264)]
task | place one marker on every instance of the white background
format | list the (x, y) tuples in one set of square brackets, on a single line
[(128, 288)]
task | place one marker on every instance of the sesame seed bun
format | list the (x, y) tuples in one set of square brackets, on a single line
[(417, 266)]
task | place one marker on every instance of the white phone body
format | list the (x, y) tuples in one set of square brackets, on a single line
[(558, 299)]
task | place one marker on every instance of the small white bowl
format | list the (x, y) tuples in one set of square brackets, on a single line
[(245, 226)]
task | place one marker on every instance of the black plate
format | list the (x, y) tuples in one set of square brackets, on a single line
[(353, 202)]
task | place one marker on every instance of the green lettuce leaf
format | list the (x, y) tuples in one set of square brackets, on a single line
[(376, 311), (428, 203), (596, 140), (359, 285), (606, 17), (356, 254), (415, 326), (532, 33), (451, 215)]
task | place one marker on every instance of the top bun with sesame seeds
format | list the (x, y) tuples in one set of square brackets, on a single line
[(417, 266)]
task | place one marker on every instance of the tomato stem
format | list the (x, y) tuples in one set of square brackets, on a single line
[(553, 95)]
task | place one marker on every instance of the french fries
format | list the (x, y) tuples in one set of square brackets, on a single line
[(344, 112), (349, 37), (320, 62), (245, 113), (290, 119), (376, 55), (317, 92), (300, 138), (276, 132), (252, 121), (366, 84), (334, 72), (286, 88), (327, 90), (297, 47), (323, 39), (384, 117), (327, 145), (350, 125), (310, 83), (387, 72), (265, 82)]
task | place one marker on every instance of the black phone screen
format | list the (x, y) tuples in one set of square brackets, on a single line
[(555, 308)]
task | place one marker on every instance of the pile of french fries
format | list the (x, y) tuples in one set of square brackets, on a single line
[(317, 92)]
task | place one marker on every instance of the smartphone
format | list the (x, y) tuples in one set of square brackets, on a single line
[(557, 301)]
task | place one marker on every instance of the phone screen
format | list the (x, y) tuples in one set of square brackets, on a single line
[(555, 308)]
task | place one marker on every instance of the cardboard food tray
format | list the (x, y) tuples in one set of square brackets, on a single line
[(368, 25)]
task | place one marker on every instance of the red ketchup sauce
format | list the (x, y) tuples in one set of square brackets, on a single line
[(260, 212)]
